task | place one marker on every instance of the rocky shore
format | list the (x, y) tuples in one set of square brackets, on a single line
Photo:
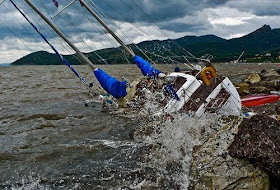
[(265, 81), (212, 166), (237, 152), (258, 140), (245, 152)]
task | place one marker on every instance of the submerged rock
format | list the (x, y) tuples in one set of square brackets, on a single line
[(213, 168), (258, 139)]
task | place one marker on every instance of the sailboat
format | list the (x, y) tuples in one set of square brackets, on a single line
[(194, 91)]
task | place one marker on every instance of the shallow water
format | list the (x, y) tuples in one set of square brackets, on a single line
[(50, 140)]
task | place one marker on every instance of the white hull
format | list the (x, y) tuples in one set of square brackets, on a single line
[(194, 98)]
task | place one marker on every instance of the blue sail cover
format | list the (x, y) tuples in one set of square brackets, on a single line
[(114, 87), (146, 68)]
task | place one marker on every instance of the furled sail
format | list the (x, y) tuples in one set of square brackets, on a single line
[(114, 87), (146, 67)]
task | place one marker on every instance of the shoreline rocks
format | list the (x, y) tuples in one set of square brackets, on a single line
[(258, 139), (259, 83), (213, 168)]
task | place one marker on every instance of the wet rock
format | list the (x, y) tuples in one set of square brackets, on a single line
[(278, 110), (253, 78), (213, 168), (269, 75), (259, 90), (278, 113), (258, 139), (259, 83), (147, 128), (272, 85), (243, 88)]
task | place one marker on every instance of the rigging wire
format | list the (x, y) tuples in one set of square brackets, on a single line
[(76, 31), (22, 25), (62, 44), (145, 34), (57, 40), (153, 23), (166, 58), (124, 35), (44, 38), (156, 27), (20, 40), (47, 29), (111, 40), (42, 26), (102, 31)]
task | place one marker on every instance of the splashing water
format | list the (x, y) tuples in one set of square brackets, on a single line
[(30, 183), (167, 149)]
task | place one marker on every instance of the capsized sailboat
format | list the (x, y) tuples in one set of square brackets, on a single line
[(193, 91)]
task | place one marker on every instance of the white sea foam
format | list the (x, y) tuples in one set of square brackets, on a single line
[(177, 139), (30, 184)]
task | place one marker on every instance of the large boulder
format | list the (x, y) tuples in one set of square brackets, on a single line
[(253, 78), (258, 139), (213, 168)]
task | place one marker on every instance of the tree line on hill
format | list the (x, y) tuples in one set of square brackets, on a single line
[(259, 46)]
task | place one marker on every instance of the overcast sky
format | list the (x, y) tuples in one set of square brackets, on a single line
[(133, 20)]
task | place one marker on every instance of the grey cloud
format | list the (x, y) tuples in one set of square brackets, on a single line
[(157, 10), (176, 17), (257, 7)]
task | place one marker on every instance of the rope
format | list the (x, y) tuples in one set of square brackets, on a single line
[(156, 27), (64, 60), (123, 33), (134, 29), (76, 31), (20, 40), (102, 31)]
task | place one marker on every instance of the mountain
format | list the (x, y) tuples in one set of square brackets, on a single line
[(263, 40)]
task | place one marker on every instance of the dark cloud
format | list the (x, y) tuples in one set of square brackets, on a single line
[(175, 17), (257, 7), (157, 10)]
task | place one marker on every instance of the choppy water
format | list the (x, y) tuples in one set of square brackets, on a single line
[(50, 140)]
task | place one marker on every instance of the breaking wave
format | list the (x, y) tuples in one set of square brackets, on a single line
[(166, 148)]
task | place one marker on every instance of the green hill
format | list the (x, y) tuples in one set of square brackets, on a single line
[(258, 43)]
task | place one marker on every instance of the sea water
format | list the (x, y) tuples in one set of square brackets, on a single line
[(50, 140)]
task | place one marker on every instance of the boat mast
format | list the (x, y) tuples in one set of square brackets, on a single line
[(84, 4), (79, 54), (240, 56)]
